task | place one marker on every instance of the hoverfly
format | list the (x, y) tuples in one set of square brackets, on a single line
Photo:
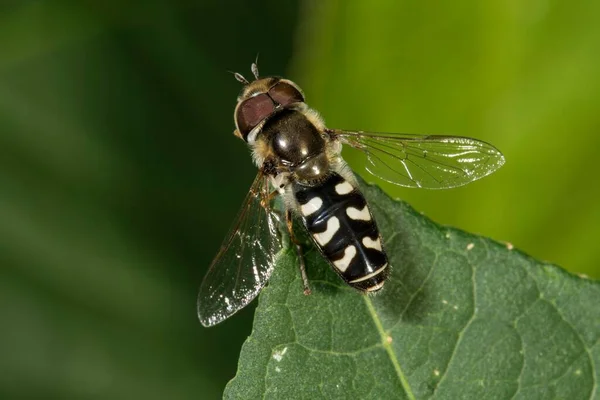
[(299, 159)]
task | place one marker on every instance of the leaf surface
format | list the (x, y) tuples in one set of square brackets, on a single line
[(461, 316)]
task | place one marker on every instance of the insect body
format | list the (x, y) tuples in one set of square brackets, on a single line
[(318, 185), (337, 215), (300, 159)]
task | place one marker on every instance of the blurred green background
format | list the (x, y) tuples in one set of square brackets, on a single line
[(119, 175)]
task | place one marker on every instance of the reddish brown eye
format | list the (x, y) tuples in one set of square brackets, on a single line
[(252, 111), (284, 94)]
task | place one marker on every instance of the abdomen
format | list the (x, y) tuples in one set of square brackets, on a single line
[(337, 216)]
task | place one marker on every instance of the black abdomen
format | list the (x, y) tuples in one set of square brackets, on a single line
[(338, 218)]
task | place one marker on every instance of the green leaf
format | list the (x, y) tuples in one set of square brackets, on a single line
[(461, 316)]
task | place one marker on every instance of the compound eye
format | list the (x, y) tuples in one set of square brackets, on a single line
[(284, 94), (252, 111)]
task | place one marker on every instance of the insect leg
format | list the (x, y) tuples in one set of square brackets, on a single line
[(289, 221), (268, 198)]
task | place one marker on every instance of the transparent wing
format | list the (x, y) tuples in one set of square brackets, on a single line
[(246, 258), (431, 162)]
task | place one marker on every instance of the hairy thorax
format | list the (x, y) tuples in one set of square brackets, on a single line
[(290, 141)]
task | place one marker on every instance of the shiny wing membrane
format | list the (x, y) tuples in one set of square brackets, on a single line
[(424, 161), (246, 258)]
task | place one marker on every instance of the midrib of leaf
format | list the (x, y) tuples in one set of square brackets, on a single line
[(423, 245), (388, 348)]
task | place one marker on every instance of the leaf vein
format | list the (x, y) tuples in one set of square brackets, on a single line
[(387, 346), (576, 332), (461, 333)]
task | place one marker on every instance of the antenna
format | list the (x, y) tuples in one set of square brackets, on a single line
[(254, 67), (239, 77)]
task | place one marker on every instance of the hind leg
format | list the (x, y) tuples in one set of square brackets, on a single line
[(289, 222)]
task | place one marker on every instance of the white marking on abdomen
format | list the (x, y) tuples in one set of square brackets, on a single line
[(355, 213), (369, 276), (376, 287), (312, 206), (372, 244), (343, 263), (343, 188), (333, 224)]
